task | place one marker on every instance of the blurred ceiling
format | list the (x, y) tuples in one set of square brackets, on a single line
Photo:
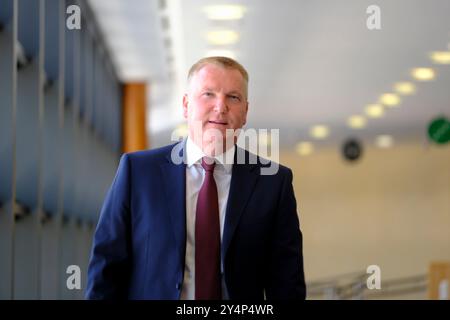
[(310, 62)]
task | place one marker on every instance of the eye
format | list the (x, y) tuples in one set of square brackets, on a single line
[(236, 98), (208, 94)]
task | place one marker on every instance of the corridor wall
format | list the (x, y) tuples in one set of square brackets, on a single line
[(60, 142)]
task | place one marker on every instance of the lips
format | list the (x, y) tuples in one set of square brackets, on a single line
[(218, 122)]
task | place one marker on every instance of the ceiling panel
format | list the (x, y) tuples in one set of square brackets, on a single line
[(309, 62)]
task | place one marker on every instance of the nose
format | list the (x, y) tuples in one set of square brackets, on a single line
[(220, 105)]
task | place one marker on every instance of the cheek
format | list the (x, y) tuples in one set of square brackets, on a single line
[(239, 116), (201, 110)]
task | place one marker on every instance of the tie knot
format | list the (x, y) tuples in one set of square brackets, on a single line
[(208, 164)]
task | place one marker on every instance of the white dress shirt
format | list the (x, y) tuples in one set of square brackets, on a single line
[(194, 180)]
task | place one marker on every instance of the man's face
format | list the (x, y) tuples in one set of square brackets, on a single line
[(216, 99)]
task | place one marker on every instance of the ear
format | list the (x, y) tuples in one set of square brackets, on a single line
[(185, 105)]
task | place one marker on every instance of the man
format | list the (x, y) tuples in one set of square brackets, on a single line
[(210, 226)]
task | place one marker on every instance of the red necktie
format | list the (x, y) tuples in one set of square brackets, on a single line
[(207, 239)]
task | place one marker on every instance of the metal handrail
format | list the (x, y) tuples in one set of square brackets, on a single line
[(353, 286)]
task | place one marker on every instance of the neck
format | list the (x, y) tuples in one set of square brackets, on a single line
[(213, 148)]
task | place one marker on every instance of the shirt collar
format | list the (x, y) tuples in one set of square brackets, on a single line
[(194, 154)]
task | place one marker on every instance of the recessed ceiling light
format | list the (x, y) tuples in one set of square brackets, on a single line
[(404, 88), (222, 37), (375, 110), (440, 57), (357, 122), (225, 12), (319, 131), (390, 99), (384, 141), (423, 74), (221, 53), (304, 148)]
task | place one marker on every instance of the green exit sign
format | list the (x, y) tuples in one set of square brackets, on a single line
[(439, 130)]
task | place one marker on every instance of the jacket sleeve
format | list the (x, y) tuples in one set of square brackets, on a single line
[(285, 266), (109, 265)]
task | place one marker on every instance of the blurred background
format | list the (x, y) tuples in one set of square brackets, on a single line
[(360, 91)]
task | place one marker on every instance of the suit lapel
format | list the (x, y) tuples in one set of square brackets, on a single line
[(243, 181), (174, 177)]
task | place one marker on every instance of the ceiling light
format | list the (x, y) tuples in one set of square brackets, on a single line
[(357, 122), (423, 74), (222, 37), (375, 110), (440, 57), (221, 53), (404, 88), (319, 131), (225, 12), (304, 148), (390, 99), (384, 141)]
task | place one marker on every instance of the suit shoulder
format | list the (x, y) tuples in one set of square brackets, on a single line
[(150, 156)]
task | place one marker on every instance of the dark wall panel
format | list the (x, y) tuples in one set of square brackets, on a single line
[(59, 147), (7, 144)]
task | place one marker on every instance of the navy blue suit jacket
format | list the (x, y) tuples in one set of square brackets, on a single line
[(139, 244)]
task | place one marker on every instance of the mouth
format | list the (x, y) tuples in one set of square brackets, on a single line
[(223, 123)]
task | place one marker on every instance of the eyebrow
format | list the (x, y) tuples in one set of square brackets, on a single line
[(235, 93), (228, 93)]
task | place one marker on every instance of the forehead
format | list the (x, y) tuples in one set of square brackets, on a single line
[(211, 75)]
